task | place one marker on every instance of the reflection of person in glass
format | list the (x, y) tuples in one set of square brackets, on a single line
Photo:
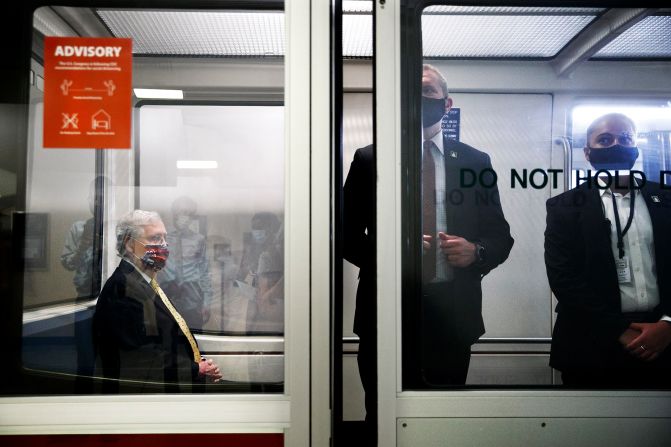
[(223, 254), (606, 252), (266, 312), (186, 276), (139, 334), (82, 249), (264, 228), (82, 253)]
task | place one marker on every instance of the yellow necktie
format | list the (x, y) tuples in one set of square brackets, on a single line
[(178, 318)]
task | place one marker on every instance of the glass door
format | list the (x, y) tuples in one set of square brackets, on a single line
[(469, 108)]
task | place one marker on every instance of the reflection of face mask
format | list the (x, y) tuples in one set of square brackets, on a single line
[(432, 110), (259, 236), (155, 256), (616, 157)]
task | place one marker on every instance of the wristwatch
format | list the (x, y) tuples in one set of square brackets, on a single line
[(480, 254)]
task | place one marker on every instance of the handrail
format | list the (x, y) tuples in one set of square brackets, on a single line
[(568, 160)]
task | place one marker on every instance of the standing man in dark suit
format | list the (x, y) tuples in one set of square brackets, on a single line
[(607, 246), (465, 235), (359, 248), (139, 334)]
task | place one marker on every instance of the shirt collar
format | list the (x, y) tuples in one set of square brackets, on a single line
[(438, 140), (604, 190), (144, 275)]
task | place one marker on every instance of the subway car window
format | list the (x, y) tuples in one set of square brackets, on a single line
[(154, 224), (508, 281), (653, 121), (212, 154)]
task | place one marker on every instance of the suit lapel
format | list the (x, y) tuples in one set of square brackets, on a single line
[(655, 201), (151, 302), (592, 214), (597, 231), (138, 279), (452, 161)]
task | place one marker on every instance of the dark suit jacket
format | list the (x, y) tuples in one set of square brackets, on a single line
[(137, 337), (473, 213), (581, 271)]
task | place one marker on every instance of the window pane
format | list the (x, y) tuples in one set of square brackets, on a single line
[(62, 252), (214, 178), (137, 297), (503, 282)]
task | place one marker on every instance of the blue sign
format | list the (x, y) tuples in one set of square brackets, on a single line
[(451, 123)]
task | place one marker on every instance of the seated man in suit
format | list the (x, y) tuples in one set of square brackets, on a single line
[(139, 334), (607, 245)]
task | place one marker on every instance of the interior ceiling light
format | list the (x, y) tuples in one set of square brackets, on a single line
[(155, 93), (197, 164)]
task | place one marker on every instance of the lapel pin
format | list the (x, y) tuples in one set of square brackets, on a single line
[(655, 199), (453, 154)]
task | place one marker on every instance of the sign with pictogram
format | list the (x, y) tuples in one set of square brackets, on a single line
[(87, 92)]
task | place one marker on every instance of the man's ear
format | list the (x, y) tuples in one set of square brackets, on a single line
[(586, 151), (448, 104), (128, 243)]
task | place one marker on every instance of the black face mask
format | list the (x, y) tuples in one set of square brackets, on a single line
[(614, 158), (432, 110)]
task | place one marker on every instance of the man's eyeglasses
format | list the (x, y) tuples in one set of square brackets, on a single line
[(157, 239)]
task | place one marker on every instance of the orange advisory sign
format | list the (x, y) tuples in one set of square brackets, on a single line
[(87, 92)]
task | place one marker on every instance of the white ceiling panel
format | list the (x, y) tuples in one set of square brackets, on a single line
[(199, 33), (357, 35), (447, 32), (649, 38), (504, 36)]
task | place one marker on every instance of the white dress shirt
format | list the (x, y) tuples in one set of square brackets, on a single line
[(640, 294)]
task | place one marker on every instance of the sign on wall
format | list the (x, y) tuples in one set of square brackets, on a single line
[(452, 123), (87, 92)]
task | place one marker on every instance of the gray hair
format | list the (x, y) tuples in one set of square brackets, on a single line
[(132, 226), (441, 79)]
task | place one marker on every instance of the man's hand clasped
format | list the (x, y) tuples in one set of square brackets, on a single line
[(209, 369), (646, 341), (459, 252)]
